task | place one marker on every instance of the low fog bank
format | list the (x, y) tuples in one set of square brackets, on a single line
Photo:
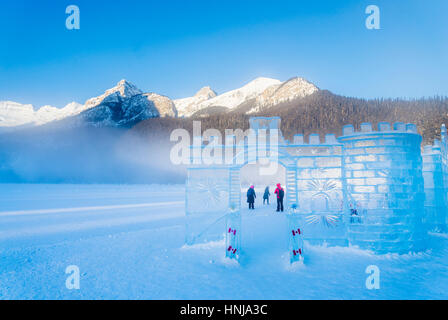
[(86, 155)]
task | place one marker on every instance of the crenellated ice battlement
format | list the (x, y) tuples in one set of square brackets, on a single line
[(315, 140), (383, 127)]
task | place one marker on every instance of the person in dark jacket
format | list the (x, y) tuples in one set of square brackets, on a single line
[(251, 197), (266, 195), (280, 195)]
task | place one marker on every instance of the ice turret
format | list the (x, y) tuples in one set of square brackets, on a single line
[(384, 186)]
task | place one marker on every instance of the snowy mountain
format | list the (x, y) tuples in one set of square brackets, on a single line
[(258, 94), (188, 106), (289, 90), (121, 105), (123, 89), (124, 105), (229, 100), (13, 114)]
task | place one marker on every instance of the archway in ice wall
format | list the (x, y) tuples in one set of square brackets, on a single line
[(263, 230), (243, 175), (213, 192), (289, 234)]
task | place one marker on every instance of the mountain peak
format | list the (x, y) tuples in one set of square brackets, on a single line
[(298, 84), (258, 85), (126, 89), (264, 79), (123, 89), (206, 92), (291, 89)]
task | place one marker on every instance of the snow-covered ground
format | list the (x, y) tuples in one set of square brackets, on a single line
[(128, 242)]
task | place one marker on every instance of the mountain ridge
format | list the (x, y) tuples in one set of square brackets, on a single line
[(125, 104), (14, 114)]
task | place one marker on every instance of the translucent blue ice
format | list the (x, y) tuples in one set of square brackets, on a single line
[(372, 188)]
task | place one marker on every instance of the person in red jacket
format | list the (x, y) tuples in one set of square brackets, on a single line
[(280, 195)]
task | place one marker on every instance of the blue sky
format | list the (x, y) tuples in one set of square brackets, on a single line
[(176, 47)]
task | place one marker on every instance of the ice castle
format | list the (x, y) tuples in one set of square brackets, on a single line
[(374, 189)]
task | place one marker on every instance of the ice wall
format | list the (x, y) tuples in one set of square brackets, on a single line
[(435, 175), (435, 199), (207, 203), (320, 189), (444, 151), (384, 185)]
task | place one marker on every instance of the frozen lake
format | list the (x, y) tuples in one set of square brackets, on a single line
[(128, 242)]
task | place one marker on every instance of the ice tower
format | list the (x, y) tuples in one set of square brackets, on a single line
[(384, 186)]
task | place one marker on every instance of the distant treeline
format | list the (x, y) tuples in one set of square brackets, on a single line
[(322, 112)]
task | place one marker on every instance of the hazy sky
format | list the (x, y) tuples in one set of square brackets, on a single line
[(176, 47)]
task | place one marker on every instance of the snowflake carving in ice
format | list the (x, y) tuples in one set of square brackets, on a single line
[(320, 203), (211, 192), (324, 218), (322, 186)]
